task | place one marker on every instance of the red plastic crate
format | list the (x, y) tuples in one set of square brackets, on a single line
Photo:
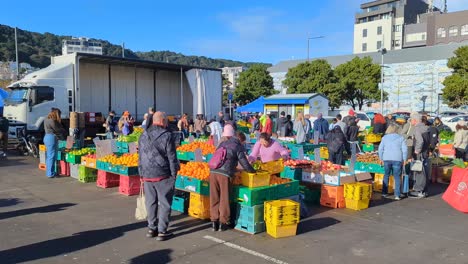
[(129, 185), (64, 168), (107, 180)]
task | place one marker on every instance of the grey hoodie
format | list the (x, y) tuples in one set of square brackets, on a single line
[(421, 145)]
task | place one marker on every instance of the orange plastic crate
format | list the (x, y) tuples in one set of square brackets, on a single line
[(42, 166)]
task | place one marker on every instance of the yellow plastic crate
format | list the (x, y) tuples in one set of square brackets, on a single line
[(200, 214), (257, 179), (281, 231), (273, 167), (324, 152), (282, 212), (200, 201), (357, 204), (42, 147), (373, 138), (378, 183), (358, 191)]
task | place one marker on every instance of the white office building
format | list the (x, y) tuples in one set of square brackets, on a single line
[(83, 45)]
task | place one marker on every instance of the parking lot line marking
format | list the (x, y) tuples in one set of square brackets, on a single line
[(246, 250)]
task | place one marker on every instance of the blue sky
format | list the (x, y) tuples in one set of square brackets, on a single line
[(245, 30)]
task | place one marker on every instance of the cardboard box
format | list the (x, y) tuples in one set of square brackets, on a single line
[(309, 175), (337, 178), (363, 176), (77, 120)]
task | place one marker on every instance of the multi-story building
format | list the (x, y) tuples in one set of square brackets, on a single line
[(83, 45), (435, 28), (232, 74), (380, 23)]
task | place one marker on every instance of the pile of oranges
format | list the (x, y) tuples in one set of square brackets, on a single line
[(127, 159), (275, 180), (191, 147), (198, 170)]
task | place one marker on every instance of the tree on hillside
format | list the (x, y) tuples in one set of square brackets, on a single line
[(358, 80), (455, 93), (253, 83), (314, 77)]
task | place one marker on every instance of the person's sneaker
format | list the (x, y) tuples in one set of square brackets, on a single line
[(385, 195), (215, 225), (397, 198), (162, 236), (417, 195), (151, 233)]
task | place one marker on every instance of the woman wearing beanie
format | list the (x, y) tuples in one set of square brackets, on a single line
[(220, 178)]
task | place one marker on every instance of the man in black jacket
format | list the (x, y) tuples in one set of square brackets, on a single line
[(282, 122), (158, 166)]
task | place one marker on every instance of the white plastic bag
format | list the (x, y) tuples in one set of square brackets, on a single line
[(140, 211)]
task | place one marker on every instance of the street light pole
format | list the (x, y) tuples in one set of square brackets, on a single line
[(382, 51), (16, 50), (308, 45)]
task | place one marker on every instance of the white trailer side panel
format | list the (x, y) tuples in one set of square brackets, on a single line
[(145, 91), (168, 92), (123, 89), (93, 90)]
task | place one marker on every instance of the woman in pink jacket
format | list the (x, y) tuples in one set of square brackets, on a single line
[(268, 149)]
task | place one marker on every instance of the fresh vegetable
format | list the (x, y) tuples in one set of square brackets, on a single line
[(459, 163), (446, 135)]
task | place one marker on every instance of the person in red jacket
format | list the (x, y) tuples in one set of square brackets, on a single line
[(268, 127)]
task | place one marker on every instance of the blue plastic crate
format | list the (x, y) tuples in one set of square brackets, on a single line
[(251, 228), (179, 204), (291, 173), (251, 214)]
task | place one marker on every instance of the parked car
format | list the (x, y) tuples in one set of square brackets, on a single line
[(364, 119), (452, 122), (447, 115)]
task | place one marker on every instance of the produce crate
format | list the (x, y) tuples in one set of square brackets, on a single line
[(249, 214), (42, 156), (89, 162), (60, 155), (187, 156), (207, 158), (192, 185), (107, 179), (273, 167), (249, 227), (199, 206), (86, 174), (64, 168), (72, 158), (312, 176), (251, 196), (373, 138), (332, 196), (291, 173), (357, 191), (180, 204), (282, 212), (357, 204), (368, 147), (129, 185), (257, 179), (447, 151), (324, 153), (128, 171), (378, 183), (367, 167), (74, 171), (281, 231), (42, 147), (285, 190), (243, 129), (311, 196)]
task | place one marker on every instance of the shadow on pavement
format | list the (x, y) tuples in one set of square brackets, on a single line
[(8, 163), (316, 224), (157, 257), (436, 189), (9, 202), (42, 209), (63, 245)]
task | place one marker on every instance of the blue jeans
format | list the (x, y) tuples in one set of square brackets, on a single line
[(392, 168), (110, 135), (51, 143)]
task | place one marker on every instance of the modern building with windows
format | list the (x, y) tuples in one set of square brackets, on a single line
[(83, 45), (232, 74), (379, 24)]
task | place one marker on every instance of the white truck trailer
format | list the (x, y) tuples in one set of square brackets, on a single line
[(94, 83)]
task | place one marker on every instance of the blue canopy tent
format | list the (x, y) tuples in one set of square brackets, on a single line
[(252, 107)]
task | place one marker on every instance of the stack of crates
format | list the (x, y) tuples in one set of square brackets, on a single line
[(357, 195), (180, 201), (332, 196), (199, 206), (282, 217), (64, 168), (74, 173), (86, 174), (107, 179), (42, 155), (249, 219), (129, 185), (378, 183)]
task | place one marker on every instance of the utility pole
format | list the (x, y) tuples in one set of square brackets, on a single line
[(16, 48), (123, 49), (308, 45)]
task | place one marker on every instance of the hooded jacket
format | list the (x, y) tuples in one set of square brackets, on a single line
[(235, 153), (282, 122), (157, 154), (335, 140)]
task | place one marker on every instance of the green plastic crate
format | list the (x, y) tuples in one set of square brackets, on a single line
[(190, 184), (180, 204), (291, 173), (86, 174), (243, 129), (252, 196), (311, 196), (128, 171), (72, 158), (60, 155), (187, 156), (368, 147), (286, 189)]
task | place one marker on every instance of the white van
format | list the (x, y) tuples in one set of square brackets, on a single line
[(364, 119)]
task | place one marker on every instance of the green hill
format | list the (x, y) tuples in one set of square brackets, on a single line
[(36, 49)]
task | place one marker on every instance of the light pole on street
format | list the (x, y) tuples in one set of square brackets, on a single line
[(382, 51), (308, 44)]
